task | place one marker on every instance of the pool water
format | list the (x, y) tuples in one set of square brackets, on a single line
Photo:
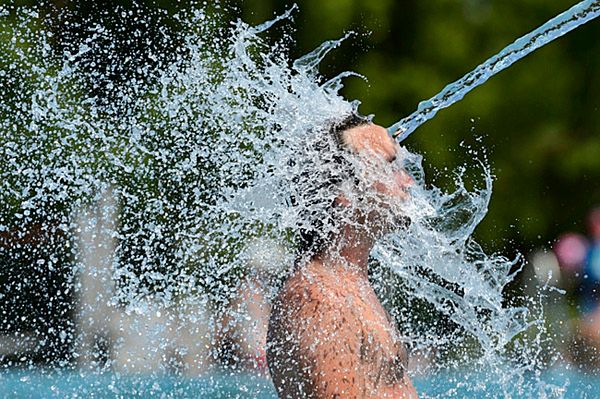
[(38, 385), (54, 384)]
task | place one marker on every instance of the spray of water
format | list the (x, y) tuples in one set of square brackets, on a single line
[(159, 194)]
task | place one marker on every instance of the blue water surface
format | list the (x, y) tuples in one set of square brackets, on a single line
[(72, 384)]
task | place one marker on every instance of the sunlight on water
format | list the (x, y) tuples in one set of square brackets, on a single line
[(151, 202)]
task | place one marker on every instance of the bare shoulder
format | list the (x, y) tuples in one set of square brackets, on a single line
[(313, 341), (330, 337), (315, 316), (312, 295)]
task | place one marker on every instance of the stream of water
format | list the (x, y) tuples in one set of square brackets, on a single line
[(558, 26)]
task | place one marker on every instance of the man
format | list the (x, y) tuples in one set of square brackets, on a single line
[(329, 336)]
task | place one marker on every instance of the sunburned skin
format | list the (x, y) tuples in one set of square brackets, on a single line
[(329, 336)]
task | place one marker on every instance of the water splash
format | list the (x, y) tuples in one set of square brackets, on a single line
[(195, 161), (553, 29)]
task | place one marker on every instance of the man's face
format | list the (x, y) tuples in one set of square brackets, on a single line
[(384, 175)]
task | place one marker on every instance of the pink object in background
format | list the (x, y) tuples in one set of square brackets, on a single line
[(571, 249)]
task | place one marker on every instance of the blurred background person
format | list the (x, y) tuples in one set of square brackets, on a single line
[(589, 298), (241, 334)]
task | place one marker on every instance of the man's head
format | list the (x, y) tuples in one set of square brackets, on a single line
[(384, 181), (350, 176)]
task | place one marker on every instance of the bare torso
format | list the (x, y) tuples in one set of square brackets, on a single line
[(329, 337)]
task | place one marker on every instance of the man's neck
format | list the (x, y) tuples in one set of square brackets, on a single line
[(349, 249)]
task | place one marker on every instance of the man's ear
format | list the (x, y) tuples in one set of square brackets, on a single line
[(342, 201)]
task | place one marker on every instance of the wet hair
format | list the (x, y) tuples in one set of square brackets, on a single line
[(319, 178)]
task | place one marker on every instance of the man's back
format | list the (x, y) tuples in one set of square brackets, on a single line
[(329, 337)]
